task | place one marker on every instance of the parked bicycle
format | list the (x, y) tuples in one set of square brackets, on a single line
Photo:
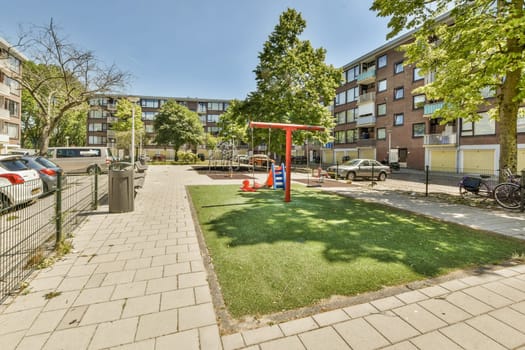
[(506, 194)]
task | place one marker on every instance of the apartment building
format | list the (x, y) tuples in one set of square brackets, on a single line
[(10, 96), (101, 117), (378, 116)]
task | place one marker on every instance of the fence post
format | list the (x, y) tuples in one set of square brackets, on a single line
[(373, 182), (58, 209), (426, 180), (522, 190), (94, 203), (336, 169)]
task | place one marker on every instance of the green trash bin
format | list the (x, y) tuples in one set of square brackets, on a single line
[(121, 191)]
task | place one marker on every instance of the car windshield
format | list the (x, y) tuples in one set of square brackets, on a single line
[(353, 162), (46, 162), (13, 165)]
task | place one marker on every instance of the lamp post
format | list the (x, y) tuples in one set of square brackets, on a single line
[(133, 101), (67, 141)]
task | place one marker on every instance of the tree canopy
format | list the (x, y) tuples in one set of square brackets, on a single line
[(123, 125), (294, 84), (474, 47), (176, 125), (61, 77)]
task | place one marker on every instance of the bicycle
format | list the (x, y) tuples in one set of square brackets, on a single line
[(506, 194)]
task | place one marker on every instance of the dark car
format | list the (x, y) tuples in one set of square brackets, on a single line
[(47, 170)]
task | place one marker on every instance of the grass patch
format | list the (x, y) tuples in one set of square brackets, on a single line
[(272, 256)]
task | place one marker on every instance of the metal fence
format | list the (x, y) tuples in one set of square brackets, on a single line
[(30, 231)]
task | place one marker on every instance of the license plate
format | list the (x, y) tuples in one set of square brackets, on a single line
[(35, 190)]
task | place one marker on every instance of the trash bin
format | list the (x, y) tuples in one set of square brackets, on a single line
[(121, 190)]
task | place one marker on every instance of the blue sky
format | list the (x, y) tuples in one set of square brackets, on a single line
[(196, 48)]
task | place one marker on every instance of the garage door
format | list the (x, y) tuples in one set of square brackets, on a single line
[(479, 161), (442, 160), (367, 153)]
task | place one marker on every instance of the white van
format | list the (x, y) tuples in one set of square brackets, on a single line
[(81, 159)]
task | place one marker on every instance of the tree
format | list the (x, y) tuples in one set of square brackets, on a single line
[(176, 125), (123, 125), (478, 46), (294, 85), (61, 77)]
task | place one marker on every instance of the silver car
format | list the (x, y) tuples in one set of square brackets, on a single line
[(18, 183), (362, 168)]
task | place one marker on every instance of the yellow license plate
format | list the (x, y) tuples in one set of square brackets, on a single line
[(35, 190)]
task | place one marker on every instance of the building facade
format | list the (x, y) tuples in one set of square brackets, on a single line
[(102, 108), (10, 96), (378, 116)]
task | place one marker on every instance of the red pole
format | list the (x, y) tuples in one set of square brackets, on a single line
[(288, 166)]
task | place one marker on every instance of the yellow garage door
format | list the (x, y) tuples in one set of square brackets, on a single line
[(367, 153), (478, 160), (521, 159), (442, 160)]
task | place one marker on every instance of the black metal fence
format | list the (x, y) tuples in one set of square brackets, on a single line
[(30, 230)]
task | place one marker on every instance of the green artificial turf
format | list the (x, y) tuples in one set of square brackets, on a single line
[(271, 256)]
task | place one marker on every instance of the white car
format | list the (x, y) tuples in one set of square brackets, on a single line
[(18, 183)]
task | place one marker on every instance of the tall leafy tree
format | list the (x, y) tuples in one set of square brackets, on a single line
[(61, 77), (176, 125), (123, 126), (479, 46), (294, 84)]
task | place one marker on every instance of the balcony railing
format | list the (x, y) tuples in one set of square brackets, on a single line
[(368, 120), (430, 108), (367, 97), (5, 89), (369, 75), (4, 138), (366, 143), (111, 106), (440, 139), (4, 114)]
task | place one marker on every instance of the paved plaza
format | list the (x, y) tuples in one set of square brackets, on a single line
[(137, 280)]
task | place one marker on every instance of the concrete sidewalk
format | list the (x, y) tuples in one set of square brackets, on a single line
[(137, 281)]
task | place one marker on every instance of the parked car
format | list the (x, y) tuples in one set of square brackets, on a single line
[(18, 183), (361, 168), (81, 159), (241, 158), (47, 170), (260, 160)]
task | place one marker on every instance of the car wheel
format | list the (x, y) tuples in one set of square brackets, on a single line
[(92, 169), (5, 203), (350, 176), (382, 177)]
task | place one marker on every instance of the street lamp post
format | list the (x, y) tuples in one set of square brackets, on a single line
[(67, 141), (133, 100)]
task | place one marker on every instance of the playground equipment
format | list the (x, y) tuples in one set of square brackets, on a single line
[(289, 128)]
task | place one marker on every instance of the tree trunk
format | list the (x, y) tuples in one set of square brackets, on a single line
[(44, 141)]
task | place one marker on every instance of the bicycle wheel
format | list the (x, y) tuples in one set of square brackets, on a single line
[(508, 195), (482, 192)]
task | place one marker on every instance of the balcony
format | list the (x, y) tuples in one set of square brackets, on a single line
[(112, 120), (367, 77), (4, 114), (4, 138), (111, 106), (5, 89), (439, 140), (368, 97), (430, 108), (369, 120), (366, 143)]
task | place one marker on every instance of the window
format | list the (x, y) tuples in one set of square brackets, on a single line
[(381, 133), (212, 118), (381, 85), (352, 73), (351, 136), (399, 93), (12, 131), (97, 114), (398, 67), (399, 119), (202, 107), (149, 115), (352, 115), (92, 140), (216, 106), (417, 74), (149, 103), (521, 119), (418, 130), (381, 109), (381, 61), (149, 128), (339, 137), (12, 107), (340, 98), (352, 94), (418, 101), (97, 126), (341, 117), (484, 126), (202, 118)]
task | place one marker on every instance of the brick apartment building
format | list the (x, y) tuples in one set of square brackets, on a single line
[(101, 117), (10, 96), (378, 116)]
